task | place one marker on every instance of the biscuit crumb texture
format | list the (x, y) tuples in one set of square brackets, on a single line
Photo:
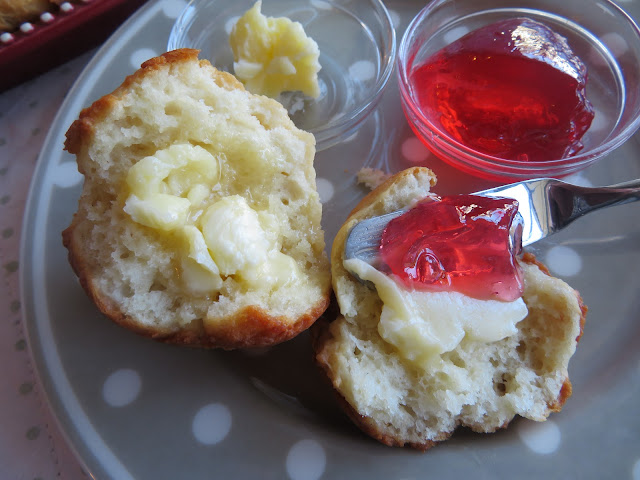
[(371, 178), (479, 385), (263, 169)]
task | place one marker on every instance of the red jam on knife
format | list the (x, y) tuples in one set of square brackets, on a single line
[(458, 242), (513, 90)]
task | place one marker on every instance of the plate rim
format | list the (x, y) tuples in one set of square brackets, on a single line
[(99, 461)]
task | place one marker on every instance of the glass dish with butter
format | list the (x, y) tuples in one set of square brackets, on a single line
[(350, 81)]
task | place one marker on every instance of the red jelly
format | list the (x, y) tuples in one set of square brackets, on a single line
[(458, 242), (513, 90)]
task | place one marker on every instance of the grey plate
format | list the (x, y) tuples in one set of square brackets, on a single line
[(133, 408)]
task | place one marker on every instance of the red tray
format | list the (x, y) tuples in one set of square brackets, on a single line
[(75, 27)]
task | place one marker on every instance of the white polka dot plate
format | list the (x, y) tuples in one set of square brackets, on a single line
[(136, 409)]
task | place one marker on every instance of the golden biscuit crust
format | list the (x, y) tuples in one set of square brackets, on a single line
[(235, 317)]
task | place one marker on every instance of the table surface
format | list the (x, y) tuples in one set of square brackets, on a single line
[(31, 444)]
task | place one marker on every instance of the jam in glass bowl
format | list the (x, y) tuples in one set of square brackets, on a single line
[(521, 89)]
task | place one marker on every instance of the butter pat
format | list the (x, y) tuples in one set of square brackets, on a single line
[(423, 325), (274, 55), (233, 234), (240, 246), (199, 272), (158, 210)]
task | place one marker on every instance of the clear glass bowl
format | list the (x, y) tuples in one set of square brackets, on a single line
[(357, 54), (598, 31)]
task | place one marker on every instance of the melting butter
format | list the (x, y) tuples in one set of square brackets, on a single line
[(160, 185), (423, 325), (170, 191), (235, 236)]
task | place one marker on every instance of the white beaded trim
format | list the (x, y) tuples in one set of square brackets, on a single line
[(46, 17), (66, 7), (6, 37), (26, 27)]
